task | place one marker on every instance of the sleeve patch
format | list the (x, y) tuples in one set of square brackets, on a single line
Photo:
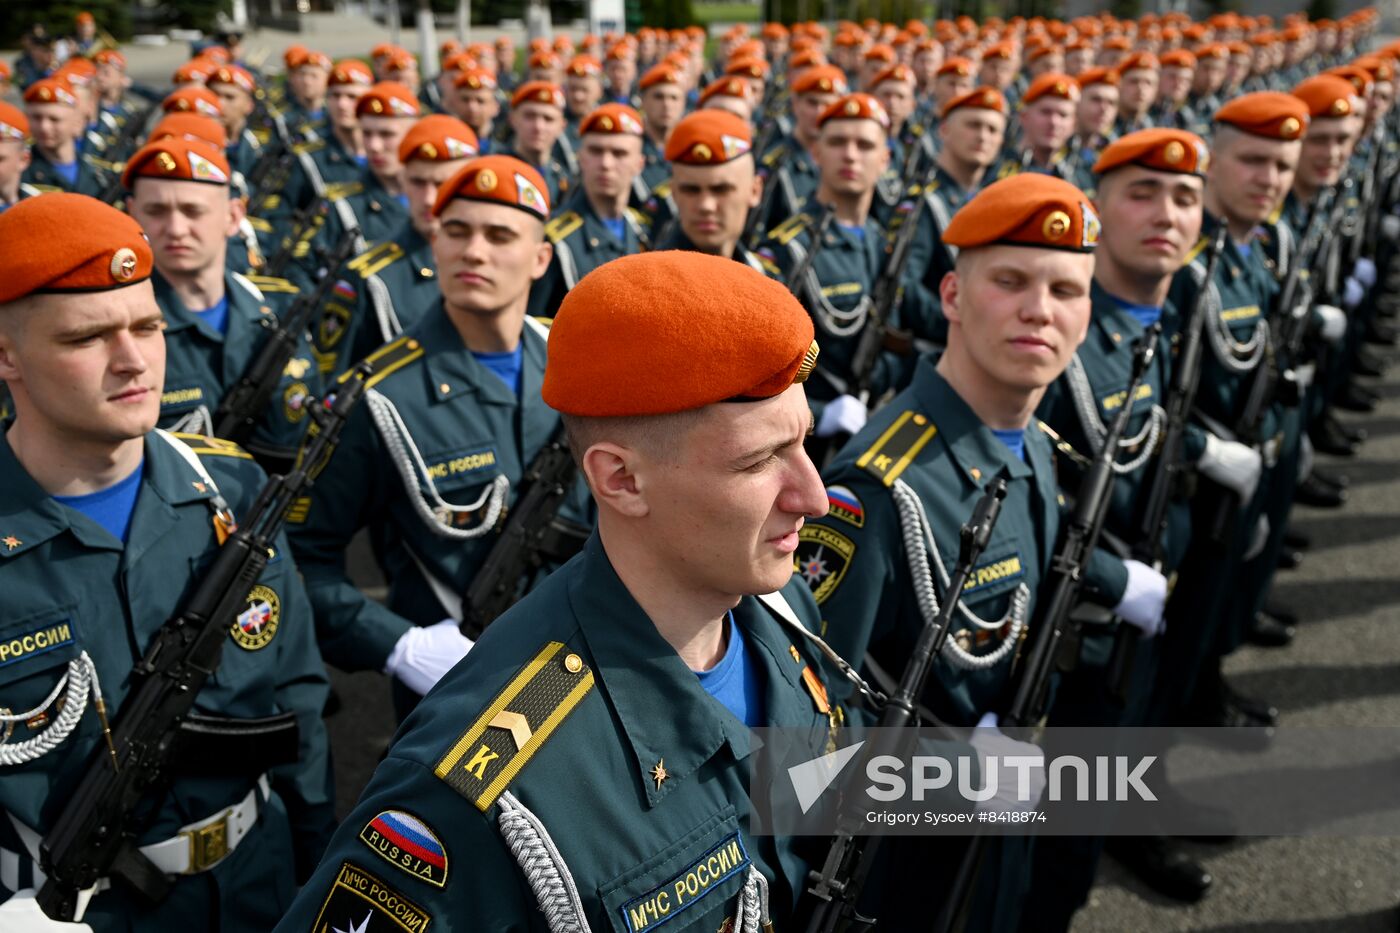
[(822, 558), (844, 504), (406, 842), (361, 902)]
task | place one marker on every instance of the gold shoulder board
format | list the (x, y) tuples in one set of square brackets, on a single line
[(897, 447)]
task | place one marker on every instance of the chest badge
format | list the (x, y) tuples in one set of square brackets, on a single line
[(257, 623), (11, 542), (658, 773)]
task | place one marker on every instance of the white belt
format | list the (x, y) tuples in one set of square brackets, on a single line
[(196, 848)]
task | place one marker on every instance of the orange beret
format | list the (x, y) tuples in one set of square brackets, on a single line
[(84, 18), (1098, 76), (985, 98), (619, 52), (617, 119), (5, 71), (382, 50), (1271, 114), (399, 60), (476, 79), (293, 53), (1058, 86), (1359, 78), (110, 57), (233, 74), (806, 58), (1028, 209), (538, 92), (1177, 58), (178, 158), (962, 67), (698, 330), (563, 44), (1327, 96), (1042, 51), (78, 71), (584, 66), (1212, 50), (387, 99), (880, 53), (543, 59), (821, 79), (193, 100), (75, 244), (1381, 69), (497, 179), (308, 58), (1163, 150), (902, 73), (1000, 50), (1139, 61), (351, 71), (774, 31), (659, 74), (747, 68), (539, 44), (13, 123), (709, 137), (1239, 48), (53, 90), (459, 62), (727, 87), (438, 138), (856, 107), (192, 125)]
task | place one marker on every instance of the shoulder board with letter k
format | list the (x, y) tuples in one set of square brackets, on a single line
[(897, 447)]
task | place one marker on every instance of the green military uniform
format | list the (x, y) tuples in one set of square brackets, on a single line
[(655, 168), (94, 178), (243, 152), (665, 842), (323, 168), (582, 243), (788, 165), (929, 258), (201, 364), (75, 592), (365, 207), (838, 294), (426, 463), (928, 451), (377, 296)]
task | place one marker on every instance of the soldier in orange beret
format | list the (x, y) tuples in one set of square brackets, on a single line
[(956, 77), (583, 91), (787, 168), (461, 388), (14, 156), (597, 224), (1046, 121), (537, 125), (477, 99), (999, 67), (308, 77), (236, 88), (57, 125), (620, 74), (895, 88), (134, 515), (1139, 77), (662, 90), (1212, 70)]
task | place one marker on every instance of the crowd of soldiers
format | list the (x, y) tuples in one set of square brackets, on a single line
[(634, 361)]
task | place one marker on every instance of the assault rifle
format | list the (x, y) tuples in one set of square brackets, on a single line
[(836, 888), (533, 533), (96, 832), (1164, 480), (243, 405), (817, 227), (1053, 632), (124, 145)]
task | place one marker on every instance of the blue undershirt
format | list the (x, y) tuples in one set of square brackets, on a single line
[(402, 199), (1245, 249), (112, 507), (855, 230), (617, 226), (68, 171), (217, 316), (361, 161), (1015, 440), (506, 366), (734, 681), (1147, 315)]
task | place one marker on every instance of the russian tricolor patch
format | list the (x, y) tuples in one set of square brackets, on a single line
[(845, 505), (406, 842)]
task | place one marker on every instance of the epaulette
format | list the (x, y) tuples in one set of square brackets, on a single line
[(489, 755), (1060, 444), (785, 231), (894, 450), (560, 227), (259, 224), (212, 446), (273, 283), (389, 359), (310, 146), (772, 156), (339, 190), (662, 189), (769, 266), (640, 216), (1008, 169), (1196, 250), (1275, 214), (372, 260)]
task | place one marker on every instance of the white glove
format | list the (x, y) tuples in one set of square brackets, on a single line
[(1390, 227), (1144, 599), (1365, 271), (1017, 764), (1306, 457), (1304, 375), (1352, 294), (1232, 465), (21, 913), (424, 653), (843, 414), (1259, 539), (1334, 323)]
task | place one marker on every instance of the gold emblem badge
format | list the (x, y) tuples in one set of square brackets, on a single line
[(1341, 108), (701, 152), (166, 162), (809, 363), (1174, 152), (852, 108), (1055, 226), (824, 84), (606, 124), (257, 623), (486, 181), (1290, 128), (658, 773), (1061, 89), (123, 266), (11, 542), (376, 106), (428, 151), (990, 98)]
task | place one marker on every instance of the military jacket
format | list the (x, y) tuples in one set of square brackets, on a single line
[(201, 364), (323, 166), (366, 207), (929, 258), (855, 560), (789, 166), (656, 169), (72, 588), (665, 839), (244, 153), (421, 465), (377, 296), (93, 178), (582, 243)]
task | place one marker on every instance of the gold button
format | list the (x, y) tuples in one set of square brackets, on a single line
[(426, 273), (573, 664), (920, 420), (412, 344), (444, 388)]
